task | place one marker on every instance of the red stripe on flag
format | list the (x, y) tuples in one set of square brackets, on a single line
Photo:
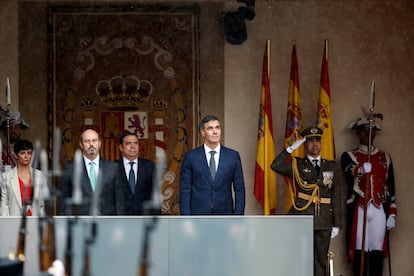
[(259, 189)]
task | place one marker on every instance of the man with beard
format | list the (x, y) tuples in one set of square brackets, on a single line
[(315, 191), (111, 197)]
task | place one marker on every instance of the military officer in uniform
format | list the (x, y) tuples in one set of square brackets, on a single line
[(315, 191), (378, 174)]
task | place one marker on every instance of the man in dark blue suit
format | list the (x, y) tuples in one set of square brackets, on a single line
[(210, 174), (136, 174), (111, 197)]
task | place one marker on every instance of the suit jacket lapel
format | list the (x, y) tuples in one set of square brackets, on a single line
[(103, 168), (222, 163), (202, 162), (16, 188), (122, 168), (140, 172), (35, 184)]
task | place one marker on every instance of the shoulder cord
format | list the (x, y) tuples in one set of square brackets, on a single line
[(314, 197)]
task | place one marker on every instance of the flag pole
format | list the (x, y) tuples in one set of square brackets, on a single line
[(368, 177), (267, 207), (268, 56)]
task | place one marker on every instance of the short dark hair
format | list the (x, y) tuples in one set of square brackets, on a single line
[(124, 134), (22, 144), (205, 120)]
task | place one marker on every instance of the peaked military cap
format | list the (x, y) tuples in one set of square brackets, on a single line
[(312, 132)]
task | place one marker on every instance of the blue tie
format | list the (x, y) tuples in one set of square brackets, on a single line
[(92, 175), (131, 178)]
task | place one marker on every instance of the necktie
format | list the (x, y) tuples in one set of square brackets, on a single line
[(315, 164), (131, 179), (92, 174), (212, 164)]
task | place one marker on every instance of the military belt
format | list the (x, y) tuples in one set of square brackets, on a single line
[(323, 200)]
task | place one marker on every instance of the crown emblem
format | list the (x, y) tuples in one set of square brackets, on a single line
[(124, 92), (159, 105), (88, 104)]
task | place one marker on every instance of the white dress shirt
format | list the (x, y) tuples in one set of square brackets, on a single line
[(127, 167), (96, 165), (216, 155)]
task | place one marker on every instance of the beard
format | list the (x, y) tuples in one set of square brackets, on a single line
[(91, 151)]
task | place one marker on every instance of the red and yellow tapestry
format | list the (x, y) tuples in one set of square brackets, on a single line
[(127, 67)]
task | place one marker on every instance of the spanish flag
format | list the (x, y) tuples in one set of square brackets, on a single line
[(265, 178), (324, 118), (294, 124)]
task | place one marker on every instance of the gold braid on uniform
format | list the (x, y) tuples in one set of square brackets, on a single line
[(314, 197)]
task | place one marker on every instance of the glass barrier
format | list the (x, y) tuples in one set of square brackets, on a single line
[(175, 245)]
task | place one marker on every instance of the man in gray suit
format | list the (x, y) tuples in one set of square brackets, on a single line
[(210, 174), (111, 197)]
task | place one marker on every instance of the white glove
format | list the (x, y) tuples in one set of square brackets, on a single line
[(295, 145), (335, 232), (391, 222), (366, 168), (57, 269)]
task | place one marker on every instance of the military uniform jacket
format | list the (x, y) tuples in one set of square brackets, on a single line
[(381, 188), (329, 214), (382, 177)]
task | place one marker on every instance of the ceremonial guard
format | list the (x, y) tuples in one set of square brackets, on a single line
[(370, 181), (11, 132), (315, 191)]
